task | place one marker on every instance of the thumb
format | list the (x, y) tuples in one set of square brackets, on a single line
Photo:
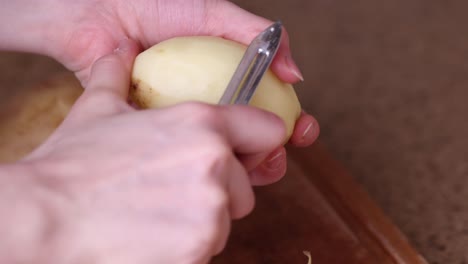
[(111, 73), (107, 89)]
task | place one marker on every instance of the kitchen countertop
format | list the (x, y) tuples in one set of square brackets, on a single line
[(387, 82)]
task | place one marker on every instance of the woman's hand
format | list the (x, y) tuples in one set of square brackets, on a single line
[(149, 186), (98, 26), (77, 33)]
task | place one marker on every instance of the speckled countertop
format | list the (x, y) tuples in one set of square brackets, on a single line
[(388, 81)]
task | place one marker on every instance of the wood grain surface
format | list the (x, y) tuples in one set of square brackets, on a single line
[(317, 207)]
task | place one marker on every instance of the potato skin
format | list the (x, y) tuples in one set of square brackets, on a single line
[(199, 68)]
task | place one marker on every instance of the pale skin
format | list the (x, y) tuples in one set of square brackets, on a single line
[(117, 185)]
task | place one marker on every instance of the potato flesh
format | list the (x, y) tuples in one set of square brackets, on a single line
[(199, 69)]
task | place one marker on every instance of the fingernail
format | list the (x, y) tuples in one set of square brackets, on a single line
[(307, 130), (293, 68), (124, 45), (274, 160)]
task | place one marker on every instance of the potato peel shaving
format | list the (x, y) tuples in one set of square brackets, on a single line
[(309, 256)]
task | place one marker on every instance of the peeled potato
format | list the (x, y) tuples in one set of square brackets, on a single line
[(199, 69)]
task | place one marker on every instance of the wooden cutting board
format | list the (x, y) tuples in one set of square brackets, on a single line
[(317, 207)]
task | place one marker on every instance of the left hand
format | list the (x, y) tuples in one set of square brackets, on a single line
[(94, 28)]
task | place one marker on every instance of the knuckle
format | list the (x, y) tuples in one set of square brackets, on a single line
[(214, 199), (217, 151), (203, 113), (216, 158)]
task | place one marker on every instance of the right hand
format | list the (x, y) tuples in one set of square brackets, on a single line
[(152, 186), (93, 28)]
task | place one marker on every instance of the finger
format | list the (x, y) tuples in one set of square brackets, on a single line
[(247, 130), (251, 131), (283, 64), (306, 131), (225, 230), (107, 88), (251, 161), (111, 73), (241, 202), (240, 191), (271, 170), (242, 26)]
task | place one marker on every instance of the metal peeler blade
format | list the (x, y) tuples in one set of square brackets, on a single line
[(252, 67)]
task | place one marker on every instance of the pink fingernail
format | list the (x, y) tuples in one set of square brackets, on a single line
[(307, 130), (274, 161), (293, 68)]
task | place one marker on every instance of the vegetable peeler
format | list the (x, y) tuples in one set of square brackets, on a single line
[(253, 65)]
